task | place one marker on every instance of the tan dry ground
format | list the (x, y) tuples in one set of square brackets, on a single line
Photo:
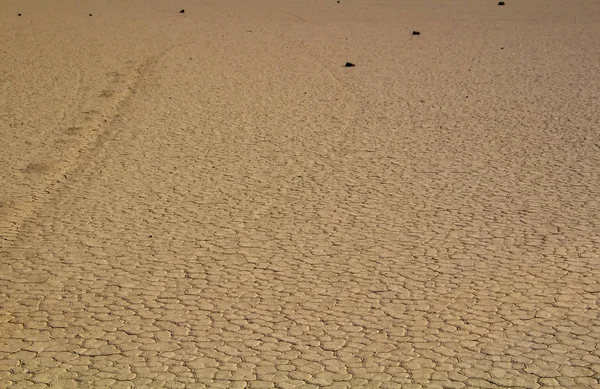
[(210, 199)]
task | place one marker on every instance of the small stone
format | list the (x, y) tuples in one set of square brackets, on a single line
[(416, 33), (501, 3), (575, 371), (182, 11), (206, 373), (243, 374), (19, 15), (333, 345), (549, 382), (90, 14), (349, 65)]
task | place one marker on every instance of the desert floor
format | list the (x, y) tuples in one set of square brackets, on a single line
[(210, 199)]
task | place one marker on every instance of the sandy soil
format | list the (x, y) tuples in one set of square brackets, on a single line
[(210, 199)]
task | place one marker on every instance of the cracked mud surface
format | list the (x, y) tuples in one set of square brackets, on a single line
[(225, 206)]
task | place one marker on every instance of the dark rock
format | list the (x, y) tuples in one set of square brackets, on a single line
[(338, 1), (90, 14), (501, 3), (416, 33), (19, 15), (182, 11), (349, 65)]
